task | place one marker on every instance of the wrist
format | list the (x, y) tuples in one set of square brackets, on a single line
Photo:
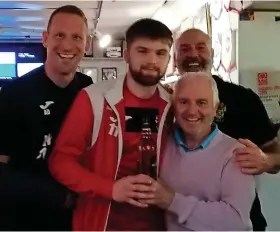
[(272, 164), (170, 199)]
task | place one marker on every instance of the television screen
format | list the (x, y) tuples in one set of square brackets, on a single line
[(8, 65), (17, 59)]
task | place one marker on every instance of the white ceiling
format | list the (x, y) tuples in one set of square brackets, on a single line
[(117, 15), (29, 18)]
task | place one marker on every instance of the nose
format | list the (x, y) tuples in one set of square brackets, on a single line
[(151, 58), (193, 52), (191, 109), (67, 44)]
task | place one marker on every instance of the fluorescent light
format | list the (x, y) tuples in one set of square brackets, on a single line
[(104, 41)]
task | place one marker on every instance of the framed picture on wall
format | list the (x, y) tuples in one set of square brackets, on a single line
[(92, 72), (109, 73), (89, 53)]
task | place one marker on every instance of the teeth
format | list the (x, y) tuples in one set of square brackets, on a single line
[(194, 64), (192, 119), (67, 56)]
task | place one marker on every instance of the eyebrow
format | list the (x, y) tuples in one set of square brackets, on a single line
[(145, 48)]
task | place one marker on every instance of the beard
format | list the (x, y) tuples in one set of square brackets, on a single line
[(143, 79), (195, 64)]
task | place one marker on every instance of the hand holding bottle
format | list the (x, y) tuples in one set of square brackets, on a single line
[(130, 189)]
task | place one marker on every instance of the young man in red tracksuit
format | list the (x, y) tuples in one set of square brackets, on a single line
[(104, 129)]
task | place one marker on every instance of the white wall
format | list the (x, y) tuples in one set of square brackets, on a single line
[(259, 50), (99, 61)]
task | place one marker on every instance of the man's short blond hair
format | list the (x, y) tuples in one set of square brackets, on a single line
[(192, 75)]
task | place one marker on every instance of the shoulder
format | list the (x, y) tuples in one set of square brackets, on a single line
[(238, 90), (24, 84), (101, 87), (238, 96), (227, 145), (84, 79)]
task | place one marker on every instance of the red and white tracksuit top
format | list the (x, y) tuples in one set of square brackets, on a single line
[(89, 147)]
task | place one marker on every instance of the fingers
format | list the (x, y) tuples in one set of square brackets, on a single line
[(250, 171), (247, 143), (247, 164), (140, 179), (245, 150), (4, 159), (143, 188), (139, 195), (245, 160), (243, 157), (148, 201), (137, 203)]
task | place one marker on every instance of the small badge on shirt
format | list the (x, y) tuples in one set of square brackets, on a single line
[(220, 112)]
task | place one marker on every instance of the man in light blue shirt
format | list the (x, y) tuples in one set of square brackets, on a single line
[(201, 186)]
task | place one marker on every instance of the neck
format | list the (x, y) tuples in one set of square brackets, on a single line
[(193, 141), (57, 78), (139, 90)]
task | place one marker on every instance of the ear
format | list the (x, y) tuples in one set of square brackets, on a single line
[(126, 55), (88, 43), (45, 35)]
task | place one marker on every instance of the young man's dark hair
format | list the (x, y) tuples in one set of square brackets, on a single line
[(148, 28), (68, 9)]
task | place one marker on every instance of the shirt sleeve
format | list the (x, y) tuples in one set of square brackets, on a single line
[(261, 129), (230, 213), (72, 142)]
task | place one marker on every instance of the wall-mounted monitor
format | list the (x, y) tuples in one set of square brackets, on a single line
[(17, 59)]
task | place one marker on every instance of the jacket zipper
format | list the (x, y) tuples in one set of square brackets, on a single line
[(120, 140)]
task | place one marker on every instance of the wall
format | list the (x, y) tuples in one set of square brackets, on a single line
[(258, 47), (99, 61), (222, 27)]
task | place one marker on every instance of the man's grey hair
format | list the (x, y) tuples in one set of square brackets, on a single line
[(205, 75)]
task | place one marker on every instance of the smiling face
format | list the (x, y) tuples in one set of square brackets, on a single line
[(193, 52), (194, 106), (66, 42)]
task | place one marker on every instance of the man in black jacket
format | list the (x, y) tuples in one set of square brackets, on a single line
[(32, 109), (241, 114)]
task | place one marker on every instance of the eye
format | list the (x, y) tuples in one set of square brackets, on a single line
[(183, 102), (184, 50), (201, 47), (142, 51), (161, 53), (77, 37), (202, 103), (59, 35)]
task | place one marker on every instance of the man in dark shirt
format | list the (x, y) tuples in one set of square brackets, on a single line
[(241, 114), (32, 109)]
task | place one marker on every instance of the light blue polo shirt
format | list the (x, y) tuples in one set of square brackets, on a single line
[(179, 139)]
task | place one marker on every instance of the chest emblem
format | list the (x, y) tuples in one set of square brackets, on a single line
[(45, 107), (220, 112)]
